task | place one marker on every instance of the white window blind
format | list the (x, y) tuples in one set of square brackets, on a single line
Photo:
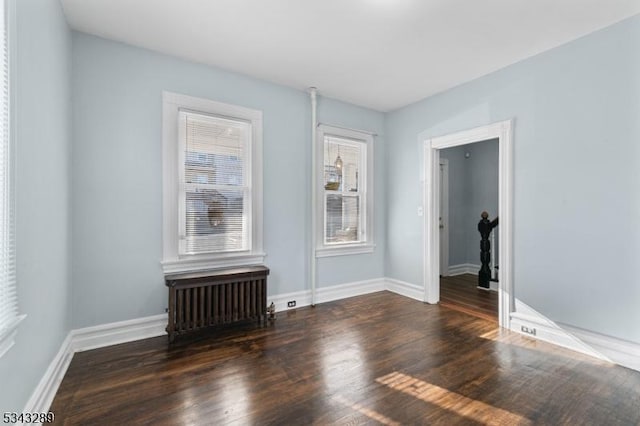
[(344, 170), (8, 296), (215, 190)]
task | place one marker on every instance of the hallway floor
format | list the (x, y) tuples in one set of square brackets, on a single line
[(461, 293)]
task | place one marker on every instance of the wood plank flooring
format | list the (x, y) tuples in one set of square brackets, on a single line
[(374, 359), (461, 293)]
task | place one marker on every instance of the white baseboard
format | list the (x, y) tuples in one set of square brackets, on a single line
[(302, 298), (533, 326), (342, 291), (600, 346), (114, 333), (43, 395), (493, 286), (405, 289), (470, 268), (619, 351), (327, 294), (463, 268)]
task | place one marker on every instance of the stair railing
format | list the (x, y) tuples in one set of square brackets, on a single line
[(485, 226)]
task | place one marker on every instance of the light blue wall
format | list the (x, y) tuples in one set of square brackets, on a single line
[(117, 185), (40, 82), (344, 269), (577, 176)]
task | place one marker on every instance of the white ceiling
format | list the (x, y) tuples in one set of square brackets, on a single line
[(381, 54)]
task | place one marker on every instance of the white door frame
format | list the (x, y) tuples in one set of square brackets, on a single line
[(431, 189), (444, 232)]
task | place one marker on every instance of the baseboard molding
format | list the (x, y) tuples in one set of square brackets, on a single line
[(463, 268), (493, 286), (302, 298), (534, 327), (622, 352), (405, 289), (99, 336), (327, 294), (43, 395), (607, 348), (470, 268)]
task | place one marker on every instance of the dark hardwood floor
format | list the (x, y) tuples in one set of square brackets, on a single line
[(461, 293), (374, 359)]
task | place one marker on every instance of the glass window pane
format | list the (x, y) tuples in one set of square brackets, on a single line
[(342, 160), (342, 218), (215, 150), (215, 221), (213, 169)]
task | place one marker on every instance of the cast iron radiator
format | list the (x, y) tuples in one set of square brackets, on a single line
[(211, 298)]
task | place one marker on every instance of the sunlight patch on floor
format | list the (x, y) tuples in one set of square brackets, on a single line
[(451, 401)]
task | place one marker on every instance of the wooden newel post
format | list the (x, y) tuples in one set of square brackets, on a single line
[(485, 226)]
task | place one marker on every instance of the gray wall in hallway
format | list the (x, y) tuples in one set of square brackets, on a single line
[(457, 204), (473, 187)]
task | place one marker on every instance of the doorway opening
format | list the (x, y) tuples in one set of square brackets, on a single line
[(433, 182), (468, 179)]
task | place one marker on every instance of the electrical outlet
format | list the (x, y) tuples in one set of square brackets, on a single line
[(291, 304), (531, 331)]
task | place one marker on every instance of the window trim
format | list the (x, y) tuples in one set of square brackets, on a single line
[(361, 247), (8, 334), (172, 261)]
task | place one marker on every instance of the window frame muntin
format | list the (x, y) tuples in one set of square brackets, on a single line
[(8, 333)]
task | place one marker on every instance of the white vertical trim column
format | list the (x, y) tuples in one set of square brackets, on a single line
[(506, 299), (431, 188), (314, 219)]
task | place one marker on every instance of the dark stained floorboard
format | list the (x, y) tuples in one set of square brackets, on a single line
[(374, 359), (461, 293)]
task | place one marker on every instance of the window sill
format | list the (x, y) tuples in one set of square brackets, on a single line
[(345, 250), (194, 264), (7, 338)]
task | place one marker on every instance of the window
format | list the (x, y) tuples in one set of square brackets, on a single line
[(344, 181), (212, 184), (9, 318)]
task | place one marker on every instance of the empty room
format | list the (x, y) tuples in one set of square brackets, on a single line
[(289, 212)]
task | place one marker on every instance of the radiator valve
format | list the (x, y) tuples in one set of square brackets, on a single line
[(272, 312)]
